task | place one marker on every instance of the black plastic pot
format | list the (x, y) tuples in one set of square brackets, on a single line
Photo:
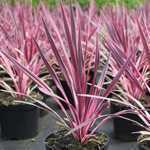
[(124, 129), (19, 121), (59, 146)]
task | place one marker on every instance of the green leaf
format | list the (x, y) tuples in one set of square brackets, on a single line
[(35, 3)]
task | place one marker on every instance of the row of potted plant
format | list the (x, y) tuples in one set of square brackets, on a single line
[(103, 59), (127, 36)]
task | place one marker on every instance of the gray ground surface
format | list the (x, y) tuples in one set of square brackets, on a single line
[(47, 125)]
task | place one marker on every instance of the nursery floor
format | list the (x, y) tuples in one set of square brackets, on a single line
[(47, 125)]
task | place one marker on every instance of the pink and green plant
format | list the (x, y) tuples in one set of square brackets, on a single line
[(129, 35), (17, 30), (83, 114), (123, 40)]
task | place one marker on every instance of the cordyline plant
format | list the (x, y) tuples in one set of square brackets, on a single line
[(83, 114), (123, 40), (141, 18), (145, 38), (129, 33), (90, 23), (18, 27)]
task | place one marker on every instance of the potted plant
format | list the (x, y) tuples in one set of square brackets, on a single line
[(80, 119), (143, 140), (11, 112), (124, 39), (18, 121), (18, 26)]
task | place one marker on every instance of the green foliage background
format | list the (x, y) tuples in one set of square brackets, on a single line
[(51, 3)]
